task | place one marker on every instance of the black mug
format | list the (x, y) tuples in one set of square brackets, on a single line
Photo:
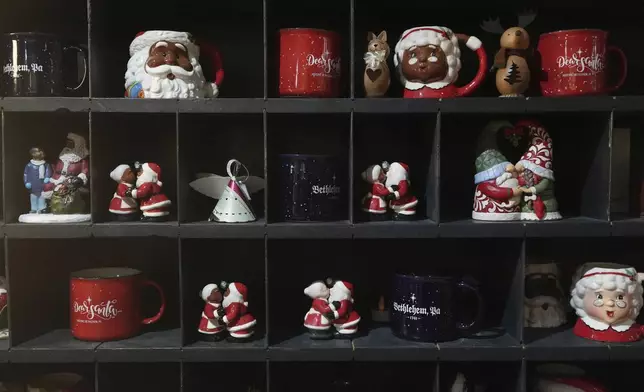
[(424, 308), (33, 65), (312, 188)]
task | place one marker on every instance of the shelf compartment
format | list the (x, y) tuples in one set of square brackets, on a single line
[(470, 228), (308, 105), (54, 346), (502, 348), (482, 375), (254, 351), (380, 344), (62, 230), (207, 142), (221, 105), (47, 130), (308, 134), (128, 105), (395, 105), (206, 229), (249, 377), (301, 348), (569, 227), (130, 377), (136, 229), (153, 346), (126, 139), (319, 230), (565, 346), (425, 228)]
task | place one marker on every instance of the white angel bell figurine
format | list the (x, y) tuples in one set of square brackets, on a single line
[(233, 193)]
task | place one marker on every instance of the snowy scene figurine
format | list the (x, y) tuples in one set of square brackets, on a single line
[(68, 188), (331, 313), (511, 62), (607, 298), (165, 64), (390, 192), (536, 176), (428, 61), (233, 193), (543, 302), (123, 207), (210, 328), (377, 77), (37, 174), (154, 204)]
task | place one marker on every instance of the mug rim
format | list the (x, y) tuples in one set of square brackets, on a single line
[(427, 277), (102, 273), (571, 31), (311, 29)]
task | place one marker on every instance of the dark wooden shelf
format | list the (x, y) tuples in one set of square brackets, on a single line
[(502, 348), (425, 228), (569, 227), (470, 228), (309, 105), (303, 348), (49, 230), (55, 346), (206, 229), (566, 346), (136, 229), (633, 227), (380, 344), (224, 351), (4, 350), (340, 229), (45, 104), (157, 346)]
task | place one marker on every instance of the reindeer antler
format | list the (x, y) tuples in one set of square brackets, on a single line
[(492, 26), (526, 17)]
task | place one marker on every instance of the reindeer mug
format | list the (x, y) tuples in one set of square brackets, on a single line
[(573, 62)]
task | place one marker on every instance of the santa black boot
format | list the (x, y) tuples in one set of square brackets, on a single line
[(320, 334), (214, 337)]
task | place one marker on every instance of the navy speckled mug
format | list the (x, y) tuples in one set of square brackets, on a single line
[(424, 308), (312, 188)]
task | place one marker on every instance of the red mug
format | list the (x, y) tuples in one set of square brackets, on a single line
[(106, 303), (309, 63), (573, 62)]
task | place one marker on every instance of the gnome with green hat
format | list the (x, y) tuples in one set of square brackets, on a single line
[(497, 196)]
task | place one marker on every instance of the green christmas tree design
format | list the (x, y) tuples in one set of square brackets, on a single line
[(514, 76)]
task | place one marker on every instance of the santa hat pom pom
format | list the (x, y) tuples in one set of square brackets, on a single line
[(385, 165)]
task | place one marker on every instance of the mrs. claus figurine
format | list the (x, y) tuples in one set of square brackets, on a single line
[(607, 298)]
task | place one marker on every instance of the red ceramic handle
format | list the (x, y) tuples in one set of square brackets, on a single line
[(624, 70), (215, 57), (156, 317), (469, 88)]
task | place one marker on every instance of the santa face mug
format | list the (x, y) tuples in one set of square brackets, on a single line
[(428, 60), (543, 306), (165, 64), (425, 308), (106, 303), (607, 297)]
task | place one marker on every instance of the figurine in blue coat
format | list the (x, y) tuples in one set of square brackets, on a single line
[(37, 174)]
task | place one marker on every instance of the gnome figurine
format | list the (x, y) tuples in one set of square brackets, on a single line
[(607, 297), (497, 194), (210, 328), (536, 176), (123, 207)]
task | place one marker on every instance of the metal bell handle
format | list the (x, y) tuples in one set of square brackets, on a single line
[(232, 168)]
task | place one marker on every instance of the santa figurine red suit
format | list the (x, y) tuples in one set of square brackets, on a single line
[(569, 384), (428, 60), (234, 314), (123, 207), (345, 319), (374, 202), (607, 298), (210, 328), (318, 319), (401, 201), (154, 203)]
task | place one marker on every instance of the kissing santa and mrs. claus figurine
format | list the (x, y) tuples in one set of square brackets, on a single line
[(390, 190), (139, 193), (607, 297), (428, 60), (226, 310), (165, 64), (58, 193), (331, 313)]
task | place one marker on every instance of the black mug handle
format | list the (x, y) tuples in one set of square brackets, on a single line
[(82, 52), (467, 327)]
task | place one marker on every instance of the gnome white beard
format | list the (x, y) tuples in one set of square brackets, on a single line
[(537, 317), (155, 83), (506, 180)]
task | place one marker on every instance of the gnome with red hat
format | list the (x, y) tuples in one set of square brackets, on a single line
[(373, 203), (234, 314), (401, 201), (154, 203), (536, 177), (210, 328), (165, 64), (123, 207), (345, 318)]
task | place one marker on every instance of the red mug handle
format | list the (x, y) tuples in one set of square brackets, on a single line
[(215, 57), (624, 70), (156, 317)]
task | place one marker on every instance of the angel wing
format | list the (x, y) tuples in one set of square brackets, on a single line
[(212, 185)]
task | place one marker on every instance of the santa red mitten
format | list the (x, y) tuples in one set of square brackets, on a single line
[(539, 208)]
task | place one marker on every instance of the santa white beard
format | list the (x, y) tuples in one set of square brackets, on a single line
[(537, 317), (231, 299), (394, 177), (155, 83), (338, 295), (507, 180), (144, 178)]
